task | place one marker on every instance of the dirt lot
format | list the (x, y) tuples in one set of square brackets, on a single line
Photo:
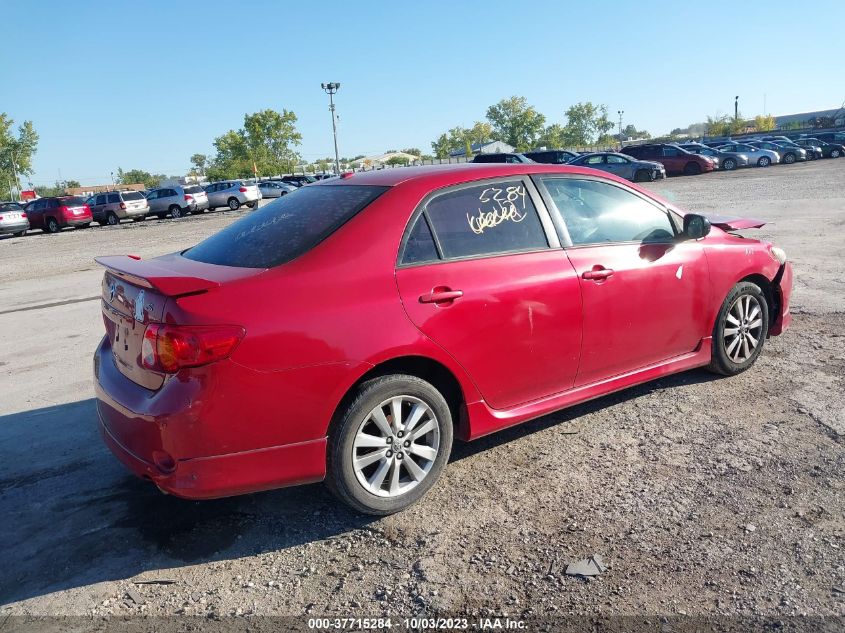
[(704, 495)]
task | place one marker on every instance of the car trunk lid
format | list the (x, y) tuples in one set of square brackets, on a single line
[(135, 293)]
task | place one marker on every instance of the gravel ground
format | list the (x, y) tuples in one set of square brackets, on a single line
[(703, 495)]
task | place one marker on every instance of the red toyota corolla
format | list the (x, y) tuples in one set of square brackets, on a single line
[(350, 330)]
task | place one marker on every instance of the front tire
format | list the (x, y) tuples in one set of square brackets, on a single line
[(692, 169), (729, 164), (789, 158), (740, 330), (390, 445), (835, 153)]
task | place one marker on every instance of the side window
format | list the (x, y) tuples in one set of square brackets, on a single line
[(101, 199), (114, 198), (597, 212), (612, 159), (594, 160), (420, 246), (486, 220), (671, 151), (53, 204)]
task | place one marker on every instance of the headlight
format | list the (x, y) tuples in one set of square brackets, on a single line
[(779, 254)]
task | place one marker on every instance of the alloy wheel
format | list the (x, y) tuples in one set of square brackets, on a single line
[(395, 446), (743, 328)]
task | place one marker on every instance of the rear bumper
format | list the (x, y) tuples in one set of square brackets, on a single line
[(194, 439), (14, 228), (78, 221), (223, 475), (783, 286)]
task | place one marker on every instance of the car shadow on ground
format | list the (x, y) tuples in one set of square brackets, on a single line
[(72, 516)]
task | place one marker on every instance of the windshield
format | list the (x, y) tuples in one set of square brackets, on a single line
[(285, 228)]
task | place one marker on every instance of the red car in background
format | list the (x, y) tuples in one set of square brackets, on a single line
[(350, 330), (51, 215), (677, 160)]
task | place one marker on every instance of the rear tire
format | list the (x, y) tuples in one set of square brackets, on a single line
[(251, 205), (345, 479), (20, 233), (175, 212), (52, 226), (835, 153), (764, 161), (112, 219), (789, 158), (737, 345), (139, 219), (729, 164), (692, 169), (234, 204)]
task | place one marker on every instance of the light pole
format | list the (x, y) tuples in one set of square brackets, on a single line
[(331, 89), (112, 179), (736, 108), (620, 113)]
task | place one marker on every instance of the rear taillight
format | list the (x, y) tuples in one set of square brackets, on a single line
[(122, 205), (169, 348), (23, 215), (189, 197), (1, 217), (242, 189)]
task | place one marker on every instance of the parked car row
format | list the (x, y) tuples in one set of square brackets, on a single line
[(651, 161)]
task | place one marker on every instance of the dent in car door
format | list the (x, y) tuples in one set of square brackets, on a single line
[(645, 291), (492, 292)]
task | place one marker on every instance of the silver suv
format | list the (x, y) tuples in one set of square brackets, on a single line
[(13, 219), (114, 206), (232, 194), (177, 201)]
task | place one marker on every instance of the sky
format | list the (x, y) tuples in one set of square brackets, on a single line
[(144, 85)]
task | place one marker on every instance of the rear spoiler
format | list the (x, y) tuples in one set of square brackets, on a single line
[(148, 275), (734, 224)]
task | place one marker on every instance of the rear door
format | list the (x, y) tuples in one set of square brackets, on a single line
[(645, 291), (481, 273)]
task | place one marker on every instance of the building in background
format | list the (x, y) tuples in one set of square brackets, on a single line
[(491, 147)]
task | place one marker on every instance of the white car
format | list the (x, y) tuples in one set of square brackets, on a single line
[(274, 189), (232, 194)]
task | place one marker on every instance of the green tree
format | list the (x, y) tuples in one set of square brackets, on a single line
[(585, 122), (199, 161), (16, 152), (135, 176), (516, 123), (396, 160), (266, 140), (764, 123), (630, 131), (457, 138), (413, 151), (72, 184)]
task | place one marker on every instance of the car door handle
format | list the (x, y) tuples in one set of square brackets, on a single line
[(441, 295), (597, 274)]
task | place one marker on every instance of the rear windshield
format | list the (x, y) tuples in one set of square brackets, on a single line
[(194, 189), (132, 195), (10, 206), (72, 202), (285, 228)]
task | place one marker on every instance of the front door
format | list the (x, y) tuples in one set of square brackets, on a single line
[(644, 289), (482, 275)]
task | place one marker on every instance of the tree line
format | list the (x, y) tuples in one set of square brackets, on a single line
[(515, 122)]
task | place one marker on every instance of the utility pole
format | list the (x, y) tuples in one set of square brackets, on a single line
[(620, 113), (112, 179), (736, 108), (331, 89)]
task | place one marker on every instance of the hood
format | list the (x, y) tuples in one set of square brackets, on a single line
[(727, 223)]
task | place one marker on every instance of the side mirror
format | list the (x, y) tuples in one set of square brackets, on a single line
[(696, 226)]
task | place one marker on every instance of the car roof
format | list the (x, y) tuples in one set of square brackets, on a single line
[(436, 176)]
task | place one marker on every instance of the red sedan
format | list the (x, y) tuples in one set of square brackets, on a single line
[(350, 330)]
